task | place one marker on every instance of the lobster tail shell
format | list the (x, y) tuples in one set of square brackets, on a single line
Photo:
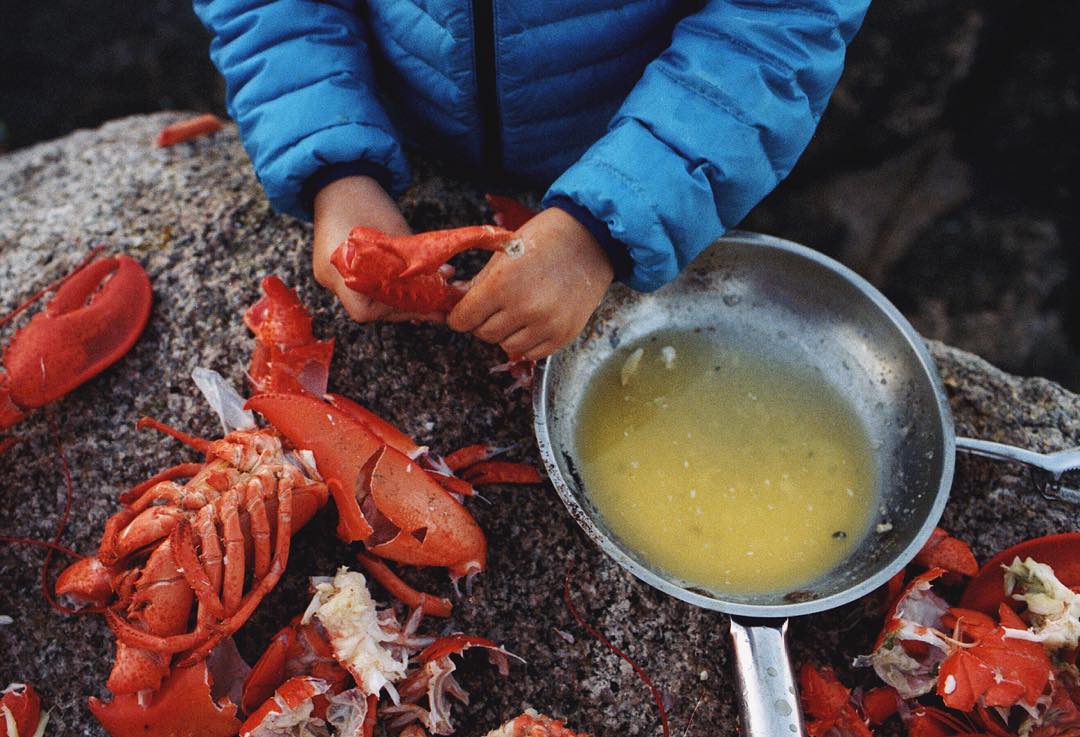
[(185, 705)]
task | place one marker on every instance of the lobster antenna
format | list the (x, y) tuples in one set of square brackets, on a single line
[(595, 633)]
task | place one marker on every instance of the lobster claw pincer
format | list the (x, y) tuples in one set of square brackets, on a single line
[(404, 271), (93, 319)]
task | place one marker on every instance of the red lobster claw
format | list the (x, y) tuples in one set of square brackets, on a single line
[(383, 497), (404, 271), (287, 357), (91, 321), (341, 446)]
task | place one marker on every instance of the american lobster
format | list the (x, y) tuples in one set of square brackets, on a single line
[(94, 318), (182, 565), (1002, 663)]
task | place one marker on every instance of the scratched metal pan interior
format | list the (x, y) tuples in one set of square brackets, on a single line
[(792, 305)]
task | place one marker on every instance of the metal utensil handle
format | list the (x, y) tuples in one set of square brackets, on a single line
[(768, 698), (1053, 464)]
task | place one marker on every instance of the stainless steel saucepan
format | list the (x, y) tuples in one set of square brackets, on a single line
[(795, 306)]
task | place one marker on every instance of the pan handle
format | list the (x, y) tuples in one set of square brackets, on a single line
[(1054, 464), (768, 698)]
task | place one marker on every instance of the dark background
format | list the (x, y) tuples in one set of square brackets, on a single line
[(943, 170)]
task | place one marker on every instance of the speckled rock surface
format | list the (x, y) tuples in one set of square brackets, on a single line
[(196, 218)]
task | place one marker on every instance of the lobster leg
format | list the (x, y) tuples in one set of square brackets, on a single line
[(501, 472), (183, 542), (434, 606), (200, 444), (144, 528), (259, 528), (211, 558), (168, 491), (182, 470), (261, 589), (233, 586), (472, 454), (453, 484)]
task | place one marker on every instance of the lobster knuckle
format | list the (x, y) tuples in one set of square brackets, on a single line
[(405, 272)]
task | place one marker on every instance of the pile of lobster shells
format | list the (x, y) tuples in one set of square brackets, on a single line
[(1001, 663), (191, 553)]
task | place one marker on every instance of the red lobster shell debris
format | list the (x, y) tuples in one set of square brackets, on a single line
[(185, 130), (829, 708), (532, 724), (94, 318), (20, 712), (329, 666), (184, 563), (196, 700), (1001, 664)]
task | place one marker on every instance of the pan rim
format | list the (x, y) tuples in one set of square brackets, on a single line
[(860, 588)]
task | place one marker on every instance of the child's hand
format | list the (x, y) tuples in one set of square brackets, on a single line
[(339, 207), (537, 302)]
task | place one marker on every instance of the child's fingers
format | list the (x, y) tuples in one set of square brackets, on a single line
[(541, 350), (472, 311), (499, 327), (522, 340), (357, 306), (393, 316)]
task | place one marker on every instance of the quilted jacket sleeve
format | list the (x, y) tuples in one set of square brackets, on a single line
[(715, 122), (300, 84)]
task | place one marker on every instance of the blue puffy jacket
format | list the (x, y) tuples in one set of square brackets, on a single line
[(657, 123)]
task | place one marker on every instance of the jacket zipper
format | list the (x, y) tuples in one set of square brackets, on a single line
[(487, 94)]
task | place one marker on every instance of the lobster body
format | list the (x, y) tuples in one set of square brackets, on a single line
[(227, 525)]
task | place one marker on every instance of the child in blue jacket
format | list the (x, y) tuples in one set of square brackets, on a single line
[(654, 124)]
